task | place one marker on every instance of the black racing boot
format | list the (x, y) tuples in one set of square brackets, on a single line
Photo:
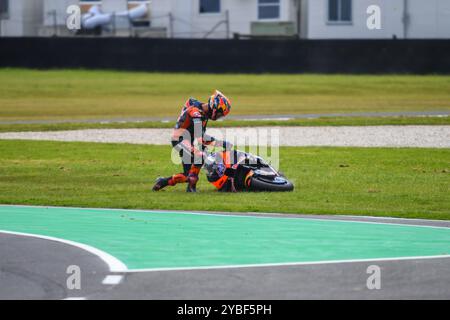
[(161, 183), (192, 183), (191, 188)]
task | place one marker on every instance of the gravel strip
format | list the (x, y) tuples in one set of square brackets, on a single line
[(370, 136)]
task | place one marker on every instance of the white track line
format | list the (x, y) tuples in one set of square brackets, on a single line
[(262, 265), (114, 264)]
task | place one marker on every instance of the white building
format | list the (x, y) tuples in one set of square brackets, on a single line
[(20, 17), (337, 19), (308, 19)]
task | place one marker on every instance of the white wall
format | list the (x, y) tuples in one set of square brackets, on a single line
[(391, 17), (60, 6), (114, 5), (13, 26), (304, 8), (429, 19), (159, 10), (24, 18), (241, 14), (189, 22)]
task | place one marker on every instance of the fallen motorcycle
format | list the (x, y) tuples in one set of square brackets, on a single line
[(234, 171)]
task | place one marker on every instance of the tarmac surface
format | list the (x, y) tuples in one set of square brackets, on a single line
[(34, 268)]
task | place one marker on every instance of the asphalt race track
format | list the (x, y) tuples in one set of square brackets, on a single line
[(36, 268), (33, 268), (442, 113)]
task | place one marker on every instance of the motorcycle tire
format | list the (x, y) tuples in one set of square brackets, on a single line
[(262, 185)]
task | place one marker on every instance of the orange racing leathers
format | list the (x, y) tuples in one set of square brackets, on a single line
[(190, 128)]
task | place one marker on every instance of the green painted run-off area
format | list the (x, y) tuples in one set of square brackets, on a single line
[(144, 239)]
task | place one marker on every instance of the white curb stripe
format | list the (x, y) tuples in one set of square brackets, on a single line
[(112, 280)]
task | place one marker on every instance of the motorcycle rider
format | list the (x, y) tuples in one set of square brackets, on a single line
[(191, 126)]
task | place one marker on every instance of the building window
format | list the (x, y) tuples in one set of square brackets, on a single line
[(209, 6), (268, 9), (340, 11), (4, 8)]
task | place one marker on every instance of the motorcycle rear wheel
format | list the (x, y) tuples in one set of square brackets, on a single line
[(261, 185)]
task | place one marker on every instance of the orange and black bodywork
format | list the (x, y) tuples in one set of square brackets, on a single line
[(218, 178), (225, 175)]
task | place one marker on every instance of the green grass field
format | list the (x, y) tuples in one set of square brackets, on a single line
[(412, 183), (81, 94)]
